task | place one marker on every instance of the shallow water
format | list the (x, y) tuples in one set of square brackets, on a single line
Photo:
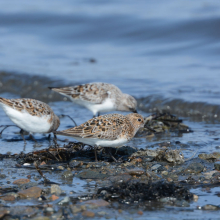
[(165, 53)]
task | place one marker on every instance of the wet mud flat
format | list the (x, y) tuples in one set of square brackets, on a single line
[(64, 181)]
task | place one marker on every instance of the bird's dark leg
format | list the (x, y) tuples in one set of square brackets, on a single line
[(95, 150), (32, 137), (54, 135), (98, 114), (110, 153), (55, 140), (22, 135), (48, 137)]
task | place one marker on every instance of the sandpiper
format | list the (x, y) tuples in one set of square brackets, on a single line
[(112, 130), (99, 97), (30, 115)]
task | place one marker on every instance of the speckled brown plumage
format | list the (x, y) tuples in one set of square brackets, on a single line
[(107, 127), (33, 108), (99, 97), (91, 92)]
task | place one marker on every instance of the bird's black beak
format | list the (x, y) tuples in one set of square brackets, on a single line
[(134, 111)]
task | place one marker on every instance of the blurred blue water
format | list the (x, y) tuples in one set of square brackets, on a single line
[(168, 47)]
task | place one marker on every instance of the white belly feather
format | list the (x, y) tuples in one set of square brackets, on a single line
[(27, 122), (106, 106), (101, 142)]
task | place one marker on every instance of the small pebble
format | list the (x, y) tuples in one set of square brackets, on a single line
[(60, 168), (140, 212), (54, 197), (55, 189), (21, 181), (195, 198), (32, 192), (88, 214), (210, 207)]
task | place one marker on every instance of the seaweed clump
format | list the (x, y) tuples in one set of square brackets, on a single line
[(162, 121), (137, 192)]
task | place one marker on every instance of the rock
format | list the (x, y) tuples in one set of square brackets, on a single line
[(164, 172), (49, 210), (24, 211), (13, 194), (194, 168), (2, 176), (91, 174), (148, 159), (65, 201), (75, 163), (172, 156), (209, 174), (169, 179), (181, 203), (217, 165), (3, 212), (155, 167), (27, 185), (55, 189), (216, 177), (145, 153), (167, 199), (33, 192), (136, 172), (42, 163), (83, 207), (140, 212), (88, 214), (195, 198), (8, 198), (120, 178), (41, 218), (101, 213), (29, 176), (75, 209), (54, 197), (60, 168), (210, 207), (21, 181), (97, 203), (212, 156), (2, 203), (67, 174)]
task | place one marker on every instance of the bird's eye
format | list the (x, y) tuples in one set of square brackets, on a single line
[(139, 119)]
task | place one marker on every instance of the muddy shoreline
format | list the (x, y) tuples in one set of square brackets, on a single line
[(42, 184), (13, 84), (63, 181)]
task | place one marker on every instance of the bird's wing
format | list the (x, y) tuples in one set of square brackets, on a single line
[(108, 127), (93, 92), (32, 106)]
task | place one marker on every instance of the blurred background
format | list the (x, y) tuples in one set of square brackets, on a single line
[(158, 50)]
